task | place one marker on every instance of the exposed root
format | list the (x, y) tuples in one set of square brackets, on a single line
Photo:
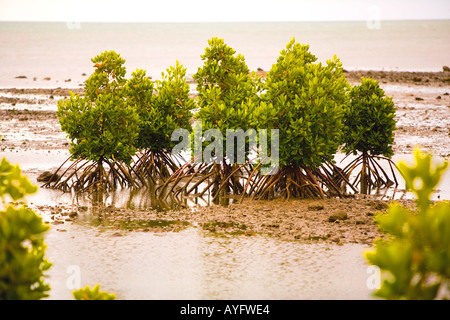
[(88, 176), (156, 166), (372, 175), (200, 179)]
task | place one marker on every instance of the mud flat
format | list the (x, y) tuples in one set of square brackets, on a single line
[(31, 133)]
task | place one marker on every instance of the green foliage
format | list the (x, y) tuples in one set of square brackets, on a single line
[(162, 107), (101, 125), (227, 92), (369, 120), (104, 129), (416, 260), (305, 101), (13, 183), (92, 294), (421, 178), (108, 77), (22, 247)]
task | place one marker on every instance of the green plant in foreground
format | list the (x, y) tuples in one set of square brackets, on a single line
[(92, 294), (415, 261), (22, 247)]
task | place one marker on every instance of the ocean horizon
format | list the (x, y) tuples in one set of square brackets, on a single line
[(57, 54)]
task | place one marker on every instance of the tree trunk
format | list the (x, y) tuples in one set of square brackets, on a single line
[(364, 174)]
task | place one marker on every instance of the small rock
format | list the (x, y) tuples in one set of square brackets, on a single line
[(438, 98), (47, 78), (315, 206), (73, 214), (377, 205), (47, 176), (419, 99), (445, 68), (338, 215), (21, 77)]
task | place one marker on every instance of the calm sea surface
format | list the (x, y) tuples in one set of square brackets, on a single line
[(62, 51)]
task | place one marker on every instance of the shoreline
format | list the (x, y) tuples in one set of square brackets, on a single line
[(425, 78)]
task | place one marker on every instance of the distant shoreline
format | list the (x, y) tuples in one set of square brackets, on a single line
[(423, 78)]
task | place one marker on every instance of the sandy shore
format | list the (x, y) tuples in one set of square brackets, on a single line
[(28, 122)]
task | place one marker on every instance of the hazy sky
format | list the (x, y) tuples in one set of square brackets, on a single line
[(225, 10)]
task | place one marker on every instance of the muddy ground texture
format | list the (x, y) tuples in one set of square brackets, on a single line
[(28, 121)]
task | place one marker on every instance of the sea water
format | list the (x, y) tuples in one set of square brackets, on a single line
[(62, 51)]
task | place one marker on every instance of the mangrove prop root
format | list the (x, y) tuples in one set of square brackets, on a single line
[(86, 176), (156, 165), (371, 174)]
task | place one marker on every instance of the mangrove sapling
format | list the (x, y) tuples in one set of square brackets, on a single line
[(102, 128), (163, 107), (369, 123), (305, 101), (227, 97)]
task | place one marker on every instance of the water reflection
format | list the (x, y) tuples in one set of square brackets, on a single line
[(190, 265)]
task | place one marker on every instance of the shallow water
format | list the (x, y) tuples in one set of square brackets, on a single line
[(191, 264)]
